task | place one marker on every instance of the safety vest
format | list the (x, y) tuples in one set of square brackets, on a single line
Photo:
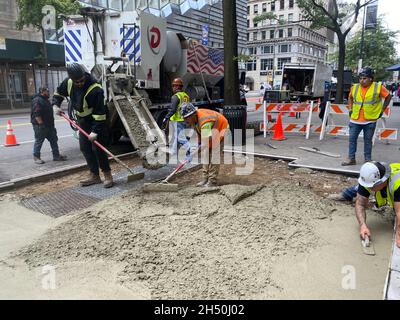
[(86, 110), (183, 97), (220, 123), (372, 103), (392, 186)]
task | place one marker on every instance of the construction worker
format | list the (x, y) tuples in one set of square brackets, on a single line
[(87, 101), (366, 109), (174, 115), (42, 120), (210, 127), (384, 180)]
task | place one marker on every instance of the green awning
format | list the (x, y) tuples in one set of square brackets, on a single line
[(30, 51)]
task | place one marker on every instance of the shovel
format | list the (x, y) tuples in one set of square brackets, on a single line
[(367, 246), (164, 185), (132, 177)]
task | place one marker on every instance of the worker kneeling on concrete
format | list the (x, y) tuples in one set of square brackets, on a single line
[(384, 180), (210, 127), (87, 101)]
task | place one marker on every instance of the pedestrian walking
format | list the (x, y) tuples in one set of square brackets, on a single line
[(42, 120)]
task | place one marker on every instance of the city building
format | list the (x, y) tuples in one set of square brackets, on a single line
[(21, 70), (271, 44)]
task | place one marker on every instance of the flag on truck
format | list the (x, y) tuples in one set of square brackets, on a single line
[(203, 59)]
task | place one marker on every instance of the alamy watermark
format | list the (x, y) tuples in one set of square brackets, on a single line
[(48, 277)]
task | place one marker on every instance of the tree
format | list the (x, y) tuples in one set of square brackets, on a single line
[(231, 69), (336, 15), (379, 50), (30, 14)]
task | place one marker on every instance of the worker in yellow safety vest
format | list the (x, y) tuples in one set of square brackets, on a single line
[(384, 180), (366, 108), (174, 116)]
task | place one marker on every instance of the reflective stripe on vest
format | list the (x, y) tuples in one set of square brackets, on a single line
[(220, 123), (372, 102), (183, 97), (392, 187), (86, 110)]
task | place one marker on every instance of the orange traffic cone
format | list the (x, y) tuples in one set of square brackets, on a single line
[(278, 134), (11, 140)]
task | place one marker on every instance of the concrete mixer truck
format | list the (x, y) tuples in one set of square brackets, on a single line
[(135, 59)]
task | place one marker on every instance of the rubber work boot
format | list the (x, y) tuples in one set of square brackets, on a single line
[(349, 162), (60, 158), (38, 160), (108, 179), (92, 179), (202, 183)]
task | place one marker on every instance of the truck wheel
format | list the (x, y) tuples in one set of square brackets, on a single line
[(159, 116)]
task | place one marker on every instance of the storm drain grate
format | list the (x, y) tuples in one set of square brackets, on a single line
[(57, 204)]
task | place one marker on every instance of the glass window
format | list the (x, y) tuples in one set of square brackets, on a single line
[(263, 35), (266, 64), (284, 48), (281, 61), (254, 35), (291, 4), (273, 6), (267, 49), (115, 4), (255, 8), (290, 32), (280, 33), (271, 34), (282, 4), (264, 7), (290, 17), (251, 65)]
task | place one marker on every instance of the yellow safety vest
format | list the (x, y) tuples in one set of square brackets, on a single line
[(86, 110), (392, 187), (372, 104), (183, 97)]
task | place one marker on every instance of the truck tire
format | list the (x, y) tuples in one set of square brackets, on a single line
[(159, 116), (237, 118)]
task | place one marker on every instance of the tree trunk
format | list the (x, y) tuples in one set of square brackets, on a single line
[(340, 72), (231, 77), (46, 67)]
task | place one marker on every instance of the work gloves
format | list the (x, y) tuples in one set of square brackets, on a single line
[(164, 124), (57, 110), (93, 136)]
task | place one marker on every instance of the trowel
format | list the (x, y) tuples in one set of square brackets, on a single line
[(368, 246)]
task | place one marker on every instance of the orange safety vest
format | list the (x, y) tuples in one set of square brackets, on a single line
[(220, 123)]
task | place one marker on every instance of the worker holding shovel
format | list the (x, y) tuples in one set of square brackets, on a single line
[(87, 101), (210, 127)]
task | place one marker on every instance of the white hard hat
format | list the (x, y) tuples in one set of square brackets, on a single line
[(373, 174)]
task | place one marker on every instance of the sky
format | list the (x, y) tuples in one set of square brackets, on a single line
[(390, 10)]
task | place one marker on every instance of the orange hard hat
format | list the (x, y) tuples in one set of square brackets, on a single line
[(177, 82)]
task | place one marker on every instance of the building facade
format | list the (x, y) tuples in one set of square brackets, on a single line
[(21, 70), (271, 44)]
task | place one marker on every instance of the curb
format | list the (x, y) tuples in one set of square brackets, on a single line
[(41, 177)]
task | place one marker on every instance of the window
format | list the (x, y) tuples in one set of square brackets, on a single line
[(263, 35), (291, 4), (252, 51), (281, 17), (248, 23), (281, 61), (290, 17), (284, 48), (282, 4), (248, 9), (255, 24), (251, 65), (248, 36), (290, 32), (267, 49), (273, 6), (264, 7), (255, 8), (271, 34), (254, 36), (280, 32), (267, 64)]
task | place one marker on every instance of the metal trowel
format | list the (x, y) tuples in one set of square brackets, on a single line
[(368, 246)]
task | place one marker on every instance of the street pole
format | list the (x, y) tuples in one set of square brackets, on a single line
[(360, 61)]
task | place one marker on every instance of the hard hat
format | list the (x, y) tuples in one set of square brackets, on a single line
[(75, 71), (177, 82), (187, 109), (373, 174), (366, 72)]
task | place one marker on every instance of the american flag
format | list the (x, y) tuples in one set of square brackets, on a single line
[(209, 60)]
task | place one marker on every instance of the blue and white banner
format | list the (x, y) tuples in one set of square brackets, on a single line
[(130, 43), (73, 45)]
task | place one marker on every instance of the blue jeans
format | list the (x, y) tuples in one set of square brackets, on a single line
[(179, 136), (355, 130), (42, 133)]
